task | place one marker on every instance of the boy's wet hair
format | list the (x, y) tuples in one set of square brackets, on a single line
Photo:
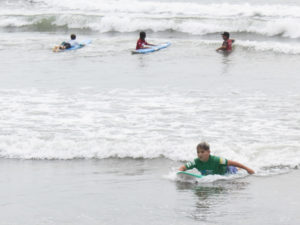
[(73, 36), (142, 34), (203, 146)]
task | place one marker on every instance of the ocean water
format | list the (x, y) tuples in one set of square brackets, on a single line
[(95, 136)]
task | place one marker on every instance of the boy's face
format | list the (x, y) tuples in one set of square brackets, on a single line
[(203, 155), (224, 37)]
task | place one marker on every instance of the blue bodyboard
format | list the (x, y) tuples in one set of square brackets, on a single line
[(81, 45), (75, 47), (230, 170), (151, 49), (190, 174)]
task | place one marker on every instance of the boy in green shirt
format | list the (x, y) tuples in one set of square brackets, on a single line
[(209, 164)]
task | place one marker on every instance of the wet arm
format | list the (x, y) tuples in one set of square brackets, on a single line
[(239, 165), (223, 47), (149, 44)]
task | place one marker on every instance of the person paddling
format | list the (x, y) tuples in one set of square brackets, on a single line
[(66, 45), (141, 43), (208, 164)]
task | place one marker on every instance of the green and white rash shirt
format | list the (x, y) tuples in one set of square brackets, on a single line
[(214, 165)]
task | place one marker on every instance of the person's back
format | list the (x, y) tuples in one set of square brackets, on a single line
[(73, 41), (228, 44), (141, 43)]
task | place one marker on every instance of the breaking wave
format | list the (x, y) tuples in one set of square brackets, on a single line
[(149, 124), (132, 16)]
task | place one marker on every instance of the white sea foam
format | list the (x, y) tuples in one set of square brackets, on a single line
[(204, 180), (179, 8), (131, 16), (149, 124), (260, 46), (286, 48)]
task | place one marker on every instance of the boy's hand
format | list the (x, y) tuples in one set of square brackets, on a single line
[(182, 168), (250, 171)]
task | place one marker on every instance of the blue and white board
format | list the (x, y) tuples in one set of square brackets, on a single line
[(151, 49), (230, 170), (189, 174), (81, 45)]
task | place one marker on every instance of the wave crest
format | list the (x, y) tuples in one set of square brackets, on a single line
[(124, 16)]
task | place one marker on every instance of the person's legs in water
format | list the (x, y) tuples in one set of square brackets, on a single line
[(65, 45)]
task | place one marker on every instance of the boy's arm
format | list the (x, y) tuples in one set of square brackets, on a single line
[(149, 44), (188, 166), (223, 47), (239, 165)]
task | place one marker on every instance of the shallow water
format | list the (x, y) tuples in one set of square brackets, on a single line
[(82, 105), (96, 135), (127, 191)]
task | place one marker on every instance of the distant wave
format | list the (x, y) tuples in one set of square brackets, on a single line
[(132, 16), (213, 10), (261, 46), (102, 24), (277, 47)]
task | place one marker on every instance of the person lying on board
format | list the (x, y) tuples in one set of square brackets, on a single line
[(141, 43), (208, 164), (227, 43), (66, 45)]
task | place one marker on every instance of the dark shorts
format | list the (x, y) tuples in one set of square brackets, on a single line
[(232, 170), (66, 45)]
